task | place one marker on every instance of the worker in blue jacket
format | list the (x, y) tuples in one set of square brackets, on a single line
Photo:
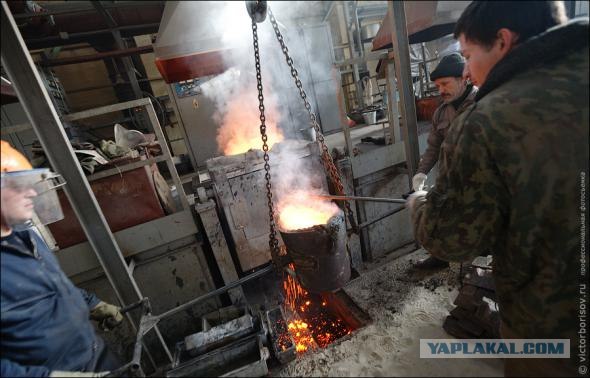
[(45, 328)]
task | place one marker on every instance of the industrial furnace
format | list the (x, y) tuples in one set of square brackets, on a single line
[(238, 184)]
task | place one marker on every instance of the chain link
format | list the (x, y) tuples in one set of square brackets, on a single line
[(326, 157), (272, 239)]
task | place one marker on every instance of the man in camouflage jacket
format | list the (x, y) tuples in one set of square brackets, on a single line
[(512, 169)]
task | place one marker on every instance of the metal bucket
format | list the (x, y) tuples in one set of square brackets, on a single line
[(320, 255), (370, 117)]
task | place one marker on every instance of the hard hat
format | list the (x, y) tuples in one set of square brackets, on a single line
[(11, 160), (21, 186)]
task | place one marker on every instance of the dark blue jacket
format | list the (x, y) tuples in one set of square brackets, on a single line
[(45, 322)]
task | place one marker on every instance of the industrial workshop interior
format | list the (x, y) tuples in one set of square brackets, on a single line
[(294, 188)]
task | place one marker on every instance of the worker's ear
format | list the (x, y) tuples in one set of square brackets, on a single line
[(506, 41)]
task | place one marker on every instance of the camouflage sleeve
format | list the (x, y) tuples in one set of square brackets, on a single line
[(463, 214), (430, 157)]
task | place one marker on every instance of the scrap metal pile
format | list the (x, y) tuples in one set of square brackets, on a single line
[(476, 314)]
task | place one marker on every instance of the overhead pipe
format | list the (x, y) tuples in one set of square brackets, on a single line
[(64, 26), (73, 38), (90, 8), (98, 56)]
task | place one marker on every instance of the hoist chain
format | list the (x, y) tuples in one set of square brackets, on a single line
[(273, 242), (326, 156)]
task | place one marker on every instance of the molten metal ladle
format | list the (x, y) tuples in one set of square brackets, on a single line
[(319, 254)]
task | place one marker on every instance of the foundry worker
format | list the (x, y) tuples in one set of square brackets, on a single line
[(457, 95), (45, 327), (512, 168)]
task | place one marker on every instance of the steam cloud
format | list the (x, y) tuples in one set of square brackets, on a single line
[(235, 96), (237, 113)]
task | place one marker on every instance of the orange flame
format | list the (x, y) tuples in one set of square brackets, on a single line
[(299, 210), (240, 124), (299, 330)]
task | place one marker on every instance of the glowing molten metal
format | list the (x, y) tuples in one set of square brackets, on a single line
[(240, 131), (301, 209), (317, 326)]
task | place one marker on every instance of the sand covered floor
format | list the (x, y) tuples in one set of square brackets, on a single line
[(405, 305)]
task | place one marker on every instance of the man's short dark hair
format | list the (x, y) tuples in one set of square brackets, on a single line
[(481, 20)]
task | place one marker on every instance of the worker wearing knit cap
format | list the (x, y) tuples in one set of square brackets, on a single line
[(457, 95)]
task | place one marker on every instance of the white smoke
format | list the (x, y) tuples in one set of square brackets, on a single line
[(234, 25), (294, 178)]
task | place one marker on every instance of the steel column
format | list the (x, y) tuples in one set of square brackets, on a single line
[(355, 68), (426, 73), (167, 154), (357, 27), (121, 45), (401, 53), (392, 103), (329, 12)]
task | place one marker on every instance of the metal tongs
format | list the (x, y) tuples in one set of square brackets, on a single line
[(355, 198)]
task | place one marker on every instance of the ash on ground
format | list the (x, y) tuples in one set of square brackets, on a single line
[(405, 305)]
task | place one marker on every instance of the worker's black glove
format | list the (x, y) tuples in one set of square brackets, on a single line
[(256, 10)]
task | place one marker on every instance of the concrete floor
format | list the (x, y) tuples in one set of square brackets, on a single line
[(405, 306)]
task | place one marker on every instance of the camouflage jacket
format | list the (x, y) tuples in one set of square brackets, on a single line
[(442, 118), (511, 170)]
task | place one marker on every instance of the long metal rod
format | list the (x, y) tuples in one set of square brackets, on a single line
[(216, 292), (356, 198), (386, 215), (401, 54), (105, 109), (149, 321)]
